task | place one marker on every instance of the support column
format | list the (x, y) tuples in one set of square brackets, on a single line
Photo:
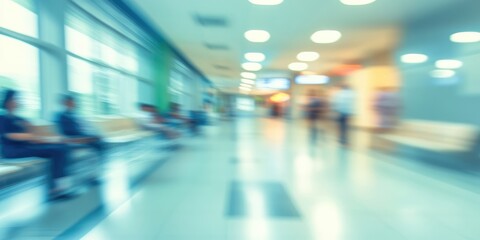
[(53, 60)]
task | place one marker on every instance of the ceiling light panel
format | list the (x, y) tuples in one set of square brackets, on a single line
[(250, 66), (298, 66), (266, 2), (312, 79), (442, 73), (326, 36), (308, 56), (257, 36), (255, 57), (448, 64), (248, 81), (248, 75), (465, 37), (357, 2), (414, 58)]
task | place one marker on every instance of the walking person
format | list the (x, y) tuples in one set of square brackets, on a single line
[(314, 111), (343, 105)]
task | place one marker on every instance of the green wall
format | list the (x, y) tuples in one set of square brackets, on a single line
[(162, 65)]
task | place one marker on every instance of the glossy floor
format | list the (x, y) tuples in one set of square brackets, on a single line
[(265, 179)]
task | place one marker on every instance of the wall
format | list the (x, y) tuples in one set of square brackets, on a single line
[(453, 99), (162, 64), (366, 83)]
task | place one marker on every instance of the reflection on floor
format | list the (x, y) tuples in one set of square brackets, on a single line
[(262, 179)]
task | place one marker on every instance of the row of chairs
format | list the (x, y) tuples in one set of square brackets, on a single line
[(122, 136)]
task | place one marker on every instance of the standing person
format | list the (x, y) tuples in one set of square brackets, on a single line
[(387, 104), (20, 141), (343, 104), (314, 110)]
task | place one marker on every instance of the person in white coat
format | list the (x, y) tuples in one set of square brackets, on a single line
[(343, 105)]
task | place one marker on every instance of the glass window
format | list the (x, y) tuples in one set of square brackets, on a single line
[(19, 70), (18, 16), (80, 82), (106, 91), (81, 44)]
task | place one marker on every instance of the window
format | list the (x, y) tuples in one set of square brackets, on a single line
[(80, 82), (105, 68), (19, 70), (19, 16)]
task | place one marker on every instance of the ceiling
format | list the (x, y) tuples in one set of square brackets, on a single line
[(216, 45)]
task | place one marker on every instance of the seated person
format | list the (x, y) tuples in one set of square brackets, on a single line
[(175, 118), (150, 119), (20, 141), (71, 125)]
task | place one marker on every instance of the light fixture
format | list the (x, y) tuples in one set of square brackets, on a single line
[(245, 89), (414, 58), (248, 75), (465, 37), (245, 85), (326, 36), (312, 79), (308, 56), (255, 57), (252, 66), (298, 66), (248, 81), (442, 73), (280, 97), (257, 35), (448, 64), (266, 2), (357, 2)]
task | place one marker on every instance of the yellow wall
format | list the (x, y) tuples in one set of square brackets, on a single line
[(365, 83)]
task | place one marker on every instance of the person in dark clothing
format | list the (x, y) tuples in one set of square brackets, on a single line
[(70, 125), (19, 141), (314, 111)]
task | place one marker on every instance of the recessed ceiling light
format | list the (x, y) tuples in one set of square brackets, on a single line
[(465, 37), (326, 36), (442, 73), (252, 66), (298, 66), (308, 56), (255, 57), (448, 64), (257, 35), (248, 81), (266, 2), (414, 58), (357, 2), (248, 75)]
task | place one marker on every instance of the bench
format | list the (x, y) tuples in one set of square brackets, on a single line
[(452, 144), (118, 130), (17, 171)]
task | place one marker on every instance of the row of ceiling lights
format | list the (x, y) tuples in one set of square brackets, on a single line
[(277, 2), (261, 36), (444, 67)]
